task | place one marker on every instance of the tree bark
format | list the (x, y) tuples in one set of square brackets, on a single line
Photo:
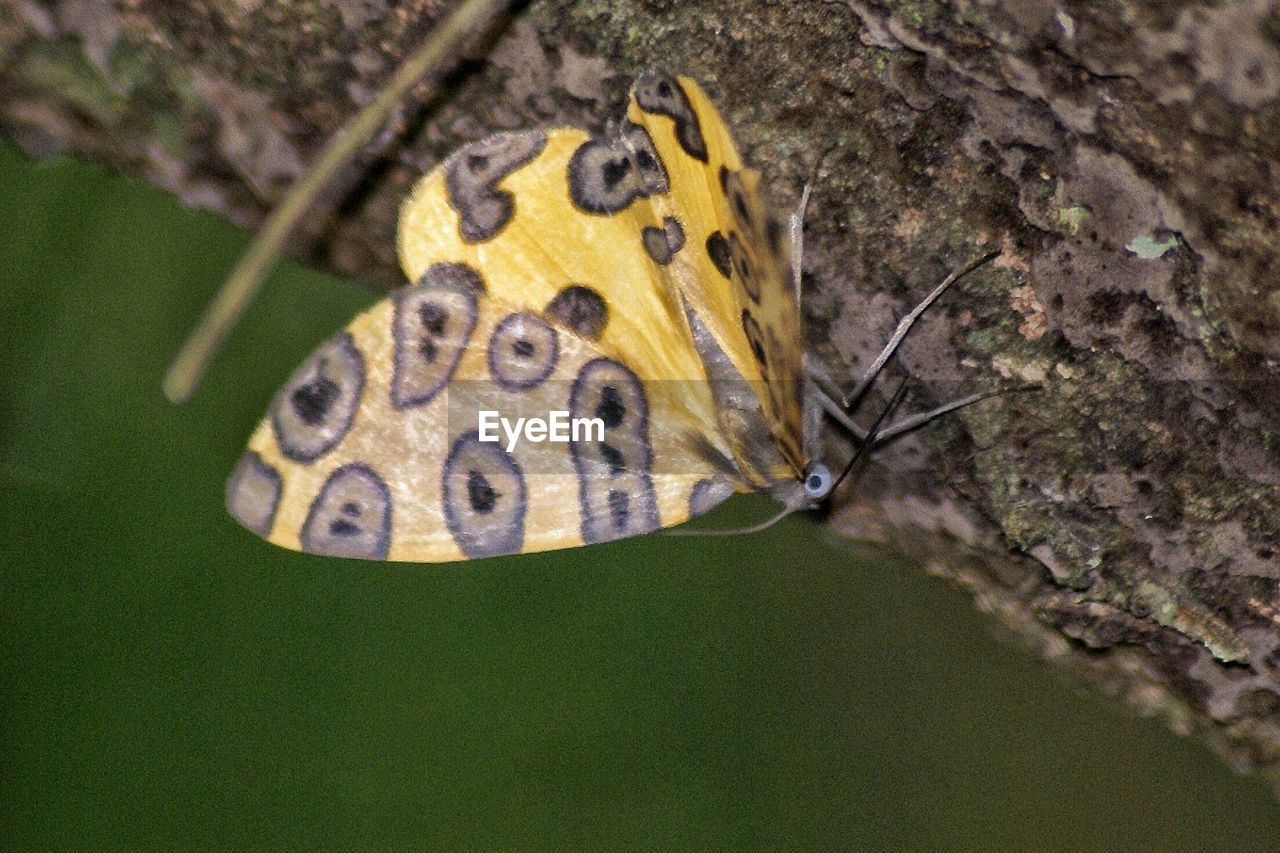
[(1125, 519)]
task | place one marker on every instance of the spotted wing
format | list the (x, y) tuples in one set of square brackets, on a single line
[(737, 278), (559, 224), (373, 448)]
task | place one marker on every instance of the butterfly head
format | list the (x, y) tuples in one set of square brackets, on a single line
[(806, 491), (818, 482)]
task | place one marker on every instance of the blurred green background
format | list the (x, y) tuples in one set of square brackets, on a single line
[(171, 682)]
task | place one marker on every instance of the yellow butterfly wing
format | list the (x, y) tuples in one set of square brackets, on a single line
[(556, 220), (583, 212), (374, 448), (739, 278)]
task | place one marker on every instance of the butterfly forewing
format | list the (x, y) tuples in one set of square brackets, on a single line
[(737, 276)]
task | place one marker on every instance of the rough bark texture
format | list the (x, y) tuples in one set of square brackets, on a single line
[(1124, 520)]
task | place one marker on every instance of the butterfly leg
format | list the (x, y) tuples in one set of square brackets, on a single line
[(826, 398), (828, 403), (916, 421), (819, 377), (837, 413), (904, 326)]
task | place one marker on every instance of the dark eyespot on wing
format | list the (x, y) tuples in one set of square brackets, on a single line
[(523, 351), (600, 177), (649, 166), (675, 233), (773, 233), (581, 310), (754, 337), (484, 498), (432, 324), (453, 276), (619, 508), (314, 410), (472, 175), (718, 252), (742, 209), (747, 274), (707, 494), (613, 457), (610, 171), (661, 93), (253, 493), (663, 243), (615, 486), (351, 517), (610, 407), (655, 244)]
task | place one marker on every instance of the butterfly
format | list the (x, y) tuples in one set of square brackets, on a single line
[(636, 282)]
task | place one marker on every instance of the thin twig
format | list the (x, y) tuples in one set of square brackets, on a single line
[(435, 55)]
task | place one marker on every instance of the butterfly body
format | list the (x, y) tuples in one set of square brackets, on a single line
[(637, 278)]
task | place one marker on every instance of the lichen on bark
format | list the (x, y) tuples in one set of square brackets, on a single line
[(1124, 520)]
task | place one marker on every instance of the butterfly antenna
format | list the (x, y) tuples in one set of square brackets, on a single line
[(440, 47), (873, 434), (904, 325), (737, 531)]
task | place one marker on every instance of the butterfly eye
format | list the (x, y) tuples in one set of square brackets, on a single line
[(817, 482)]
